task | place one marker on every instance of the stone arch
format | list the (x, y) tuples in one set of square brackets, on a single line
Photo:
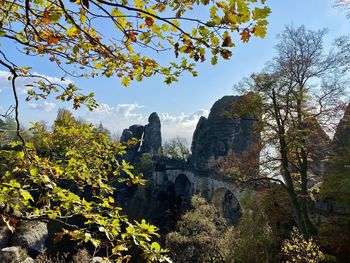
[(227, 203), (182, 191), (182, 186)]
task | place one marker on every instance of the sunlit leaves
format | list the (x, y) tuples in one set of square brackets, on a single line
[(71, 34), (297, 249), (73, 171)]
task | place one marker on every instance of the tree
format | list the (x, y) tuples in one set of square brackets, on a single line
[(101, 129), (70, 35), (300, 91), (264, 224), (344, 5), (8, 131), (202, 234), (73, 35), (197, 234), (176, 148), (8, 127), (343, 44), (74, 180)]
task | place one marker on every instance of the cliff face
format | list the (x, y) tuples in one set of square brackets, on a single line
[(221, 134)]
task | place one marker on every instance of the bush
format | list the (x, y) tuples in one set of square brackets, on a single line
[(297, 249)]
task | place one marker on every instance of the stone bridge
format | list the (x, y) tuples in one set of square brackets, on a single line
[(215, 136), (220, 191)]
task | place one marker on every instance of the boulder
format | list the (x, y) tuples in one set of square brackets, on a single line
[(152, 138), (31, 235)]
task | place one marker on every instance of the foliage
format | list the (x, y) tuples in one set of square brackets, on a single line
[(253, 239), (297, 249), (197, 234), (203, 236), (92, 38), (176, 148), (74, 180)]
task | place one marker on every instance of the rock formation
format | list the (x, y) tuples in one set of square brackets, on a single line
[(134, 131), (318, 144), (149, 136), (221, 134), (152, 138), (341, 141)]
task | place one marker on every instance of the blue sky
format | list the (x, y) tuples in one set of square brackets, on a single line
[(180, 105)]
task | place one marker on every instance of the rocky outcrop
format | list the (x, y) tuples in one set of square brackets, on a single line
[(221, 134), (133, 132), (152, 138)]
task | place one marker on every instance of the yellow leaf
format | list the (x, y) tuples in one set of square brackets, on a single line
[(97, 65), (26, 195), (72, 32), (125, 81)]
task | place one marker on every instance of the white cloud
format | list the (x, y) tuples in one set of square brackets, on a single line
[(182, 125), (21, 83), (125, 112), (45, 106), (116, 118)]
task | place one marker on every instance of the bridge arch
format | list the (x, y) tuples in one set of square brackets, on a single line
[(183, 187), (227, 203)]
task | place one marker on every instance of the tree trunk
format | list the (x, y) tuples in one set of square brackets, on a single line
[(304, 193)]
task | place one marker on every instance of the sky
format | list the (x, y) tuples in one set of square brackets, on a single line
[(179, 105)]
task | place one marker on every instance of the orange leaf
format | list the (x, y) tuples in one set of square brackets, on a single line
[(46, 18), (58, 237), (227, 41), (149, 21), (245, 35), (52, 40)]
